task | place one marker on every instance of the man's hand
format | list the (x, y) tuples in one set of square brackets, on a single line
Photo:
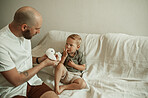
[(49, 62)]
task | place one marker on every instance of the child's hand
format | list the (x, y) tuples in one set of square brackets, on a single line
[(71, 63), (65, 52)]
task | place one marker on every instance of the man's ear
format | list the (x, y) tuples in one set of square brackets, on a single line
[(24, 27)]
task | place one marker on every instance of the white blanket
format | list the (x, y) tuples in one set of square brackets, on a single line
[(117, 64)]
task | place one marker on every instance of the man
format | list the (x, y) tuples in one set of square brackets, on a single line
[(18, 78)]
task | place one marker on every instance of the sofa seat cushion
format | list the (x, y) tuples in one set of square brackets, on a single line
[(117, 64)]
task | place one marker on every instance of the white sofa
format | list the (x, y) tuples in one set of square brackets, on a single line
[(117, 64)]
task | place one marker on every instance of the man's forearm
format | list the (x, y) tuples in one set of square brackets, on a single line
[(34, 60), (38, 60), (26, 75)]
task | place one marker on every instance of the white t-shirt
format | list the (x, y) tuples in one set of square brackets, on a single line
[(15, 52)]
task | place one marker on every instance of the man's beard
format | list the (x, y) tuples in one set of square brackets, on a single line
[(27, 34)]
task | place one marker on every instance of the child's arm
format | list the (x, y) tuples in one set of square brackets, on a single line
[(63, 58), (76, 66)]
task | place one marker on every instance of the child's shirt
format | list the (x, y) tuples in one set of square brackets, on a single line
[(77, 59)]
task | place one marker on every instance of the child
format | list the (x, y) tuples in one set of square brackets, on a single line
[(69, 70)]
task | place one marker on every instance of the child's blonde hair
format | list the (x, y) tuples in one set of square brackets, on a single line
[(76, 37)]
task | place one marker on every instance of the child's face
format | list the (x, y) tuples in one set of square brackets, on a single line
[(71, 45)]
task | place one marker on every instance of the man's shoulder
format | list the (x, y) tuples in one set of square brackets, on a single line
[(3, 32), (4, 29)]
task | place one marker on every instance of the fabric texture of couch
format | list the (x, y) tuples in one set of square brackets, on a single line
[(117, 64)]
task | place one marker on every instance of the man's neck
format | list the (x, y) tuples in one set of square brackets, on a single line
[(14, 29)]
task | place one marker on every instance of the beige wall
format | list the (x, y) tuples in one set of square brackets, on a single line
[(90, 16)]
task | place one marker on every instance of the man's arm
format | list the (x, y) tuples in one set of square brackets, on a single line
[(40, 59), (16, 78)]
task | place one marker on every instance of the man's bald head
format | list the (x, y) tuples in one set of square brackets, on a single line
[(27, 15)]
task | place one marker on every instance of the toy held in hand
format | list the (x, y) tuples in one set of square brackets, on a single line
[(52, 55)]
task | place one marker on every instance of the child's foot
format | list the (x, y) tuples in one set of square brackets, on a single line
[(59, 90), (56, 89)]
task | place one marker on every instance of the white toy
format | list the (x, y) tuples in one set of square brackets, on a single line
[(59, 55), (51, 54)]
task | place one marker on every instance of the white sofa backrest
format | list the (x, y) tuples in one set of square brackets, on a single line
[(114, 53)]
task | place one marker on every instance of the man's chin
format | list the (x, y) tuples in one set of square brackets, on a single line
[(28, 38)]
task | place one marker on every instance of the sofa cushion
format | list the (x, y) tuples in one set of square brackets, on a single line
[(117, 64), (114, 54)]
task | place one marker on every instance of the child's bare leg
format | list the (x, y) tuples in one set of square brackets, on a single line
[(59, 72), (77, 84)]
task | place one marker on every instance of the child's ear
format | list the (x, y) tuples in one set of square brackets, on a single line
[(78, 46)]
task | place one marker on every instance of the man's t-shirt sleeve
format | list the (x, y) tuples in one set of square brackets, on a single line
[(6, 62)]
